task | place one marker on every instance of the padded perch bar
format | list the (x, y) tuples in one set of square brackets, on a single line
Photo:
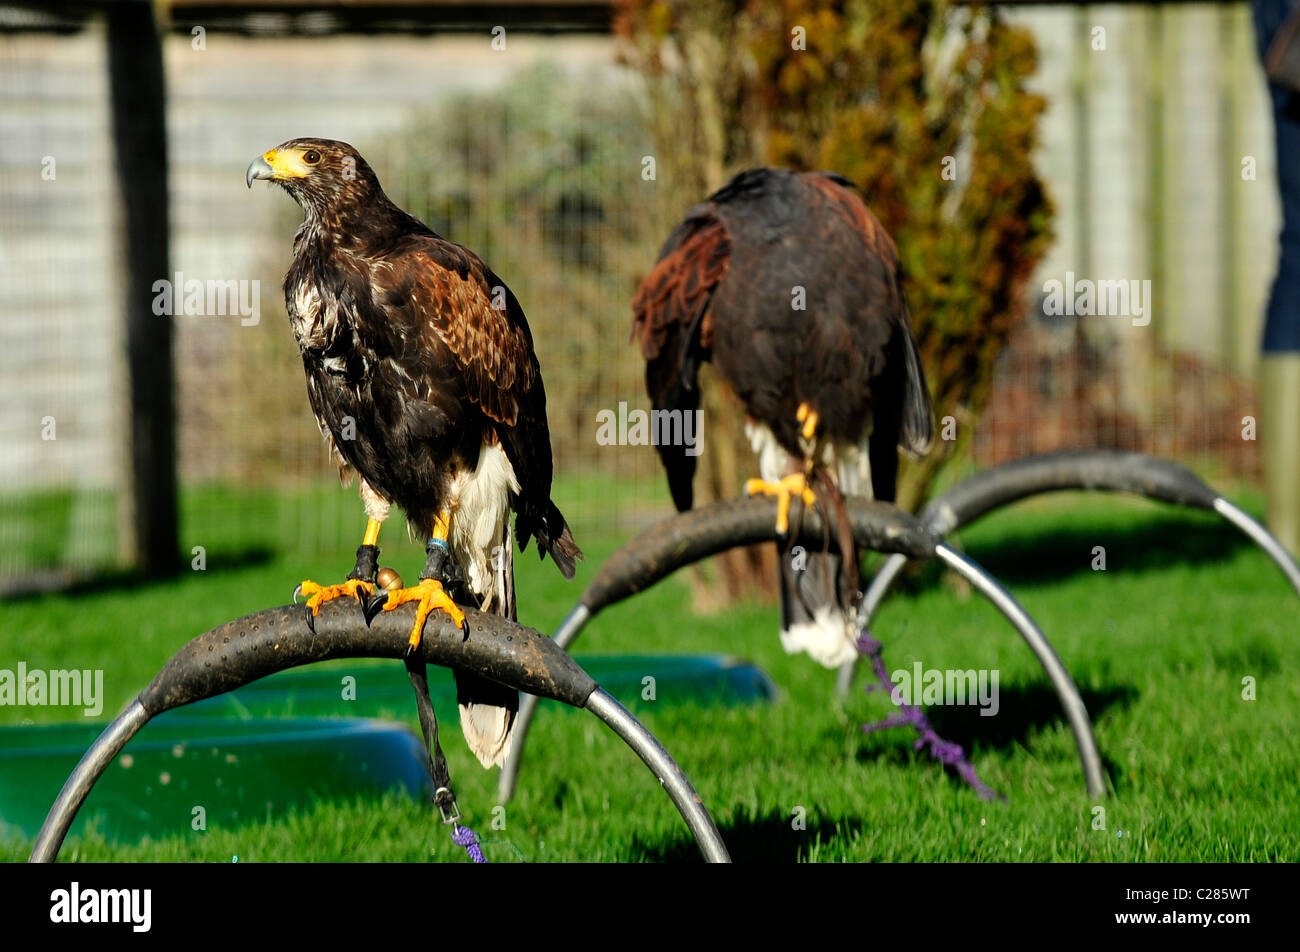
[(688, 537), (697, 534), (246, 649), (1104, 470)]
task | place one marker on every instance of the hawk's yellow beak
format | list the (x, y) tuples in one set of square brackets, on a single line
[(277, 166)]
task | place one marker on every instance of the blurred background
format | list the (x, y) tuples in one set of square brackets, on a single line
[(1114, 141)]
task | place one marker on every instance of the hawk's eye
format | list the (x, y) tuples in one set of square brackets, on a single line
[(311, 157)]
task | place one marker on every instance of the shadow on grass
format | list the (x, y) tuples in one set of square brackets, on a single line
[(65, 586), (1046, 557), (1022, 712), (749, 839)]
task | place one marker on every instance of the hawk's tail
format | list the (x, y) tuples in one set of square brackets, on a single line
[(487, 709), (487, 716), (816, 587), (553, 536), (812, 617), (918, 412)]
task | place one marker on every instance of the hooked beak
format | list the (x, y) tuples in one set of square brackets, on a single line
[(259, 168)]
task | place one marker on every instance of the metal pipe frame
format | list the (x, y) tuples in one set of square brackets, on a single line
[(689, 537), (78, 785), (688, 802), (1075, 711), (564, 636), (1101, 470), (248, 648)]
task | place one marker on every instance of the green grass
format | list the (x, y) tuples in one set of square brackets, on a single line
[(1159, 644)]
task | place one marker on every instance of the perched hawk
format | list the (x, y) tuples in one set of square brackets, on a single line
[(421, 373), (790, 286)]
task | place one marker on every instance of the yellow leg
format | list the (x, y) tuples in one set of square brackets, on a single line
[(318, 595), (809, 418), (792, 485), (428, 592)]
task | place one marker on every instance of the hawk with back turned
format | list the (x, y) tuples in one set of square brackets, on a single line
[(791, 288), (422, 377)]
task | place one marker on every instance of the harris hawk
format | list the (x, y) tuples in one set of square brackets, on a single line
[(791, 288), (422, 377)]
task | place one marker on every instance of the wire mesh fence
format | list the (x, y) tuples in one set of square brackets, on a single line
[(59, 420)]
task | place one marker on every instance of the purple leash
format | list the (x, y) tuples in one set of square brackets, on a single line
[(909, 715), (464, 836), (443, 797)]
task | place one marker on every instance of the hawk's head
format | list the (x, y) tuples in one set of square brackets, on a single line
[(321, 174)]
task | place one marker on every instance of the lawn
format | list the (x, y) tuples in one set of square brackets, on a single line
[(1159, 643)]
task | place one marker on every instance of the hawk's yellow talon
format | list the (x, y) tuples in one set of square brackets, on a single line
[(431, 595), (318, 595), (789, 487)]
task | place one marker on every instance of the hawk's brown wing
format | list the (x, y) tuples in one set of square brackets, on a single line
[(916, 423), (672, 324), (446, 305), (450, 299)]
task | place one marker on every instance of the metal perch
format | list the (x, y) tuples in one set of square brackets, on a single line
[(252, 647), (1103, 470), (691, 536)]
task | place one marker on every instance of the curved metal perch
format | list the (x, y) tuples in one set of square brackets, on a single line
[(252, 647), (691, 536), (1104, 470)]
